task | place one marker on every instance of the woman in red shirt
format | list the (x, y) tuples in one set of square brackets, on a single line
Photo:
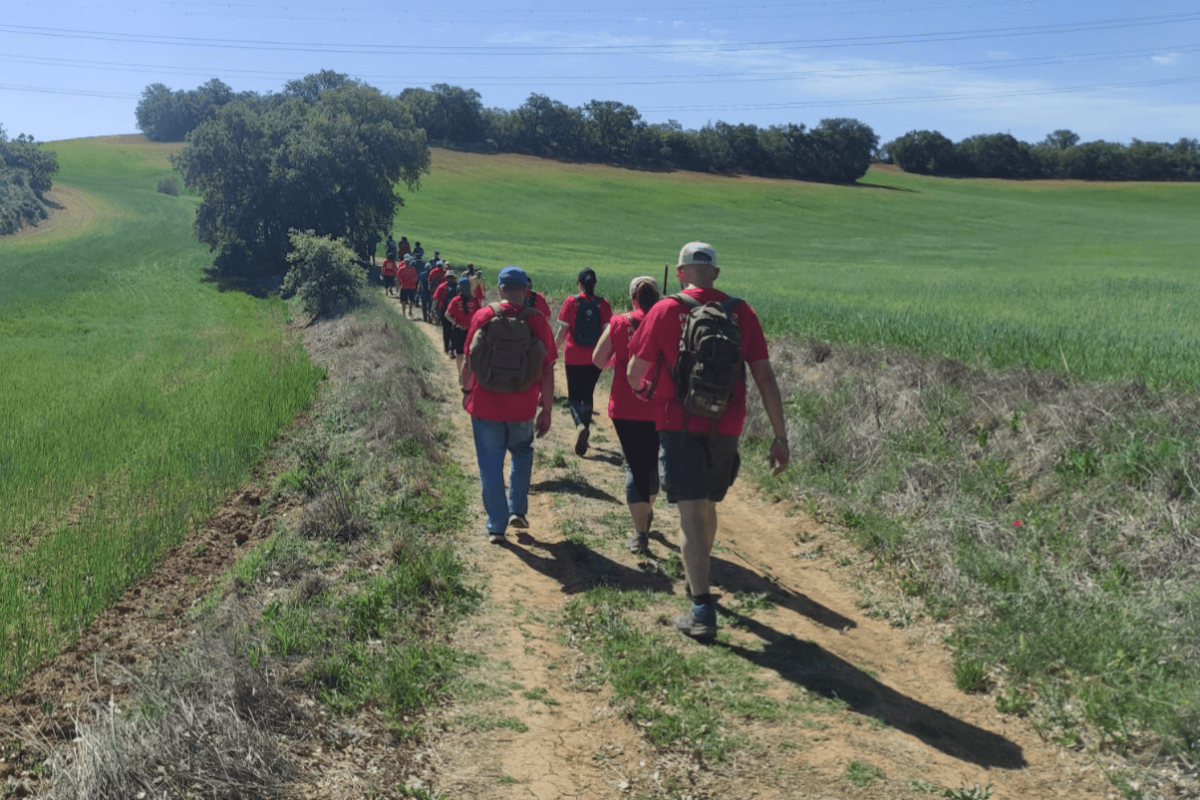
[(585, 315), (632, 417), (460, 311)]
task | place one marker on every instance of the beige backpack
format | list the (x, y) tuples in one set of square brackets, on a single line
[(506, 355)]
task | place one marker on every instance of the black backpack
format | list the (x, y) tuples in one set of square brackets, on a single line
[(391, 249), (588, 327), (710, 363)]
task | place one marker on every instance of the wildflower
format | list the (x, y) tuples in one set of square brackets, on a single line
[(1017, 523)]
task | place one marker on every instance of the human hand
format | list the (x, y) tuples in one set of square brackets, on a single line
[(466, 400), (543, 422), (780, 455)]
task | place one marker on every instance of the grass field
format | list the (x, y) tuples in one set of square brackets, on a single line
[(1096, 276), (135, 396)]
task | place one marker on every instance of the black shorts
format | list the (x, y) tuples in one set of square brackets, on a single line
[(408, 295), (458, 341), (696, 466), (389, 281)]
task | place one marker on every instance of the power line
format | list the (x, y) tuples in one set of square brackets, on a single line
[(626, 49)]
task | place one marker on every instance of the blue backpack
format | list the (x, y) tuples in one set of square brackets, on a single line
[(588, 326)]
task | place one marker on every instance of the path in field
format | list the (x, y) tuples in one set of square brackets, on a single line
[(906, 716)]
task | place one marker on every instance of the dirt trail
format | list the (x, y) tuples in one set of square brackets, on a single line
[(905, 715)]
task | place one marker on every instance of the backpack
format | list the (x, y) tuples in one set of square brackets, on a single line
[(710, 363), (506, 355), (587, 328), (391, 250)]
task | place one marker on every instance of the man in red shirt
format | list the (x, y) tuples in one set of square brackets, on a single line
[(389, 276), (700, 461), (406, 276), (504, 421)]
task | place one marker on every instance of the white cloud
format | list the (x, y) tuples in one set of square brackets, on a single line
[(1165, 60)]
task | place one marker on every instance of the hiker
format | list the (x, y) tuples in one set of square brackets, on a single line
[(476, 276), (436, 273), (537, 300), (510, 348), (460, 311), (389, 249), (402, 247), (425, 291), (632, 417), (389, 276), (418, 252), (372, 246), (441, 303), (700, 439), (406, 276), (585, 315)]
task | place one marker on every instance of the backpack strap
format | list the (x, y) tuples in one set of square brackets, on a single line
[(686, 299)]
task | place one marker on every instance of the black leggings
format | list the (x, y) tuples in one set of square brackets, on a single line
[(639, 443), (447, 326), (581, 385)]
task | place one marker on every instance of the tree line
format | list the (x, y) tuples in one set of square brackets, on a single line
[(1059, 155), (603, 131), (25, 173)]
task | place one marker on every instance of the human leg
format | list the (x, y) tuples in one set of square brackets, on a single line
[(490, 447), (640, 444), (520, 445)]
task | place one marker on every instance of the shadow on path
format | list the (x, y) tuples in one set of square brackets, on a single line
[(809, 665), (579, 568), (572, 485)]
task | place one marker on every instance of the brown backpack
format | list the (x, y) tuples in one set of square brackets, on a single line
[(506, 355)]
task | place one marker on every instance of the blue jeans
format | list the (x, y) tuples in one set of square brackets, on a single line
[(492, 440)]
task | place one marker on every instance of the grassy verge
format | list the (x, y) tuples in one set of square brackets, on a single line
[(350, 601), (1052, 523)]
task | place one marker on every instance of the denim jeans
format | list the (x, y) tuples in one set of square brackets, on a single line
[(492, 441)]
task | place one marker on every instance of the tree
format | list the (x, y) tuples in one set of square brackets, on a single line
[(1060, 139), (309, 87), (994, 155), (845, 147), (25, 173), (611, 129), (169, 116), (923, 152), (324, 274), (329, 167)]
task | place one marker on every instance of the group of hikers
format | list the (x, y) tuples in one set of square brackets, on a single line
[(678, 398)]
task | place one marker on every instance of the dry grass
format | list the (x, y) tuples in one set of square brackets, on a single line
[(204, 725)]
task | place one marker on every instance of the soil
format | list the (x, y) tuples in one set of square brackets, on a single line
[(903, 713)]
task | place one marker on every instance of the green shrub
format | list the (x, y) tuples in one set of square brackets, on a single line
[(324, 274), (169, 185)]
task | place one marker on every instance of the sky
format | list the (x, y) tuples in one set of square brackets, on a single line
[(1104, 69)]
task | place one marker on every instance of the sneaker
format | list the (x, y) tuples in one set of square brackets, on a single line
[(581, 440), (496, 538), (699, 623), (638, 543), (518, 521)]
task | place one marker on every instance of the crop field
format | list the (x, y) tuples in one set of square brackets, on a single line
[(135, 395), (1094, 279)]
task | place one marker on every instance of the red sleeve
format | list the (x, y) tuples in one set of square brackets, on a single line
[(645, 343), (539, 302), (569, 307), (477, 320), (541, 327), (754, 342), (605, 311)]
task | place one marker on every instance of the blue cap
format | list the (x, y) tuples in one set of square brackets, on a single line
[(513, 277), (464, 285)]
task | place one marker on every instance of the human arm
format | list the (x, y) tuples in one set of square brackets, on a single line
[(547, 413), (603, 349), (768, 388), (637, 371)]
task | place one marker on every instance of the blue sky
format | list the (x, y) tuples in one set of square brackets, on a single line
[(1107, 70)]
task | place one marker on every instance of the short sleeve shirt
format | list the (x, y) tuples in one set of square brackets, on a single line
[(389, 269), (576, 354), (460, 312), (407, 277), (657, 341), (622, 402), (501, 406)]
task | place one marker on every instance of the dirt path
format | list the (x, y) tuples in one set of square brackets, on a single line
[(544, 734)]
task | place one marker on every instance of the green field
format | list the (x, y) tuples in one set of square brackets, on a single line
[(1099, 276), (135, 395)]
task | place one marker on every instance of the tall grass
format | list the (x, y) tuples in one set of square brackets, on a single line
[(1094, 279), (135, 397)]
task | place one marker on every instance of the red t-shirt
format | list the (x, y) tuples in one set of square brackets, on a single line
[(658, 338), (403, 248), (407, 276), (461, 315), (576, 354), (439, 295), (435, 276), (622, 402), (509, 407), (539, 302), (389, 269)]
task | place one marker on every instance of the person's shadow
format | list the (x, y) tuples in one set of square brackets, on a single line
[(579, 568), (578, 486), (811, 666)]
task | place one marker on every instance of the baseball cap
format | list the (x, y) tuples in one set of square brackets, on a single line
[(637, 282), (697, 253), (513, 276)]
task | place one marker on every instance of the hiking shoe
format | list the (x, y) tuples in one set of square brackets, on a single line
[(699, 623), (638, 543), (581, 440), (518, 521), (496, 538)]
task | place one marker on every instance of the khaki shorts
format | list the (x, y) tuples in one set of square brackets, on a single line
[(696, 466)]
